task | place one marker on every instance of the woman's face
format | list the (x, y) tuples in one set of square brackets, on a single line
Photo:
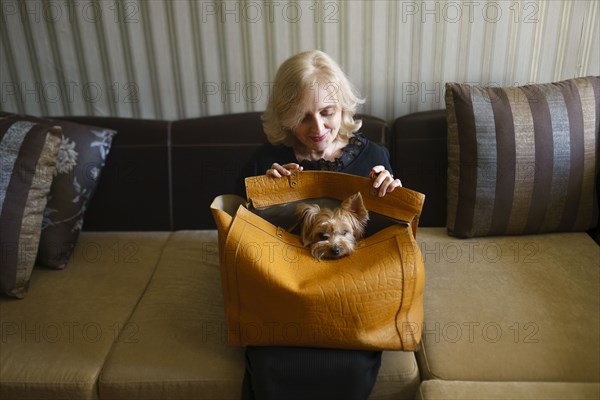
[(320, 126)]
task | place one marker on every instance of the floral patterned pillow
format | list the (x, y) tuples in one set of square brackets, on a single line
[(80, 160), (81, 157)]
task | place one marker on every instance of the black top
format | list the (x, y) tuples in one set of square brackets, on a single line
[(358, 158)]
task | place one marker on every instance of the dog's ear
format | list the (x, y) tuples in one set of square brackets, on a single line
[(355, 205), (360, 215), (307, 213)]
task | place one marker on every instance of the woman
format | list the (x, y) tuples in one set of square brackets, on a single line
[(310, 124)]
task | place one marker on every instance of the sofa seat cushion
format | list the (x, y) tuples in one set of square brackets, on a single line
[(55, 341), (457, 390), (511, 308), (181, 350)]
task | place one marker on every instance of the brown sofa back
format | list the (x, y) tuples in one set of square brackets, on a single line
[(163, 175), (418, 147)]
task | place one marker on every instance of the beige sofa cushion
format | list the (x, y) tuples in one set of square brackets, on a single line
[(181, 350), (453, 390), (55, 341), (511, 308)]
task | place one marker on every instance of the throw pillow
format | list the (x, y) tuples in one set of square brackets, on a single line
[(28, 154), (81, 157), (80, 160), (522, 160)]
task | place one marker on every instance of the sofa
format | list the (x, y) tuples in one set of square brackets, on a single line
[(137, 311)]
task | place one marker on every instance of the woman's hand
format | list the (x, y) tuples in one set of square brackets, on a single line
[(384, 180), (278, 171)]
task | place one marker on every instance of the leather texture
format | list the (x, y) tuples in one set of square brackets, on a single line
[(276, 293)]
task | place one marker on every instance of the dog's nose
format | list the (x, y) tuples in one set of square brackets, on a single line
[(335, 251)]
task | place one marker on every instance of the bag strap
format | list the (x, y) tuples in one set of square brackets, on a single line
[(402, 204)]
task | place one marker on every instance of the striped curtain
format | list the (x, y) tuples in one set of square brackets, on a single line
[(183, 58)]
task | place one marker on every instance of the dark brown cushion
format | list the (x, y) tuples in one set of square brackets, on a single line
[(522, 159), (420, 159), (208, 154), (28, 152), (134, 191)]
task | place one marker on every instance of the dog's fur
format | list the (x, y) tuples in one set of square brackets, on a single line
[(332, 234)]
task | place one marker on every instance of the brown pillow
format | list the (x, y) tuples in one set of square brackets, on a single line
[(522, 160), (28, 152)]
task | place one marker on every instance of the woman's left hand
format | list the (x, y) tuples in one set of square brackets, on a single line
[(384, 180)]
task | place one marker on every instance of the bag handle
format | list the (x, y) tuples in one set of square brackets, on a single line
[(223, 209), (402, 204)]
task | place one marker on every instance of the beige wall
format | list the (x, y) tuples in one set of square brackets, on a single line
[(183, 59)]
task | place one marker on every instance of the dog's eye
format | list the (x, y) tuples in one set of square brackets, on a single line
[(323, 236), (345, 233)]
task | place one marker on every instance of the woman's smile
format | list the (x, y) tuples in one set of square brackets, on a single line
[(320, 138)]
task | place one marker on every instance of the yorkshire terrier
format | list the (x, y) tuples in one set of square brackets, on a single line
[(332, 234)]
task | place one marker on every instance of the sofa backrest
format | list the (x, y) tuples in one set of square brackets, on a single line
[(163, 175), (418, 147)]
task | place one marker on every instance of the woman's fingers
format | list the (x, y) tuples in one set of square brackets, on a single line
[(389, 185), (376, 170), (278, 170), (383, 180)]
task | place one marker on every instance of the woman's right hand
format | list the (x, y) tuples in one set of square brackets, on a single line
[(278, 171)]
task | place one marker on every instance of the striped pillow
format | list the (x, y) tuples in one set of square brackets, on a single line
[(27, 166), (522, 160)]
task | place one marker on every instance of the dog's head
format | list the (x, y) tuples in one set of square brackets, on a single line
[(332, 234)]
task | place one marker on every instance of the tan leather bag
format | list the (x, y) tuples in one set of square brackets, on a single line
[(276, 293)]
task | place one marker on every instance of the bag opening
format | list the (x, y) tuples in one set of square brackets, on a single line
[(284, 215)]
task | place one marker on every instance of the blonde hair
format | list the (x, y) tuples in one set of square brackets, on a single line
[(294, 82)]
